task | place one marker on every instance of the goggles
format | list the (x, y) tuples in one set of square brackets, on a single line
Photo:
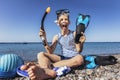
[(62, 11)]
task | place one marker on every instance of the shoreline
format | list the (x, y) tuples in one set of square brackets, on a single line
[(48, 42)]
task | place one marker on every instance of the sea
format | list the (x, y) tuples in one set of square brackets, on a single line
[(29, 51)]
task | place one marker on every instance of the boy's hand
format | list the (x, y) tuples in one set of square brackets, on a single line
[(82, 38), (42, 33)]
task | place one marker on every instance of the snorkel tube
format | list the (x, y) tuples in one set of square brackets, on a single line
[(42, 24), (43, 18)]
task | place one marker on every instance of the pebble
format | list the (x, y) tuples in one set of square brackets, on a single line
[(109, 72)]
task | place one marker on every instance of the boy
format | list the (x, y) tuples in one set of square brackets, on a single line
[(70, 54)]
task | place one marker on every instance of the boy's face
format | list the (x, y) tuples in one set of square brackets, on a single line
[(63, 21)]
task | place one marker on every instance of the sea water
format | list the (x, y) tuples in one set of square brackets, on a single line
[(29, 51)]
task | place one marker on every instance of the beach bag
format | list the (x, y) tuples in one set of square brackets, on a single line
[(92, 61), (9, 64)]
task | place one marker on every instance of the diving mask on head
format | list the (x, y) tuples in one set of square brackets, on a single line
[(62, 11)]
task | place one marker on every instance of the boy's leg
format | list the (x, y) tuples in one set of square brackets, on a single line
[(35, 72), (45, 59), (73, 62)]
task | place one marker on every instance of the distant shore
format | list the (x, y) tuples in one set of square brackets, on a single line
[(20, 42), (50, 42)]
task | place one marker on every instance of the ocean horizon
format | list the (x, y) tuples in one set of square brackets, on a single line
[(29, 50)]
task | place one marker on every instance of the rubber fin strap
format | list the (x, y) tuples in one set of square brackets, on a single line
[(84, 19), (92, 63)]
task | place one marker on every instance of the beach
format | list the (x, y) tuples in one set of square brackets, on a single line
[(108, 72)]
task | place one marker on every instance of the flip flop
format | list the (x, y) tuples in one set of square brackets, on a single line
[(22, 72), (62, 70)]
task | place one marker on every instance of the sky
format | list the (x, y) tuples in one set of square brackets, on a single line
[(20, 19)]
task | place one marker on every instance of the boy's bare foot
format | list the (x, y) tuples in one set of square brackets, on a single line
[(37, 73)]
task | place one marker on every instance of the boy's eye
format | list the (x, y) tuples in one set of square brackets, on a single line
[(61, 19), (66, 19)]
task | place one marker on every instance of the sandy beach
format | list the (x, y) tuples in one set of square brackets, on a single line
[(109, 72)]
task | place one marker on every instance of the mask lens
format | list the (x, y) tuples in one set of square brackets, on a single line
[(58, 12)]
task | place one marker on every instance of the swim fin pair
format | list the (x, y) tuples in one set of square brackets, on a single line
[(82, 23), (105, 60), (92, 61)]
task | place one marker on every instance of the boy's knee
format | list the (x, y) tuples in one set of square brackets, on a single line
[(79, 60), (41, 54)]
